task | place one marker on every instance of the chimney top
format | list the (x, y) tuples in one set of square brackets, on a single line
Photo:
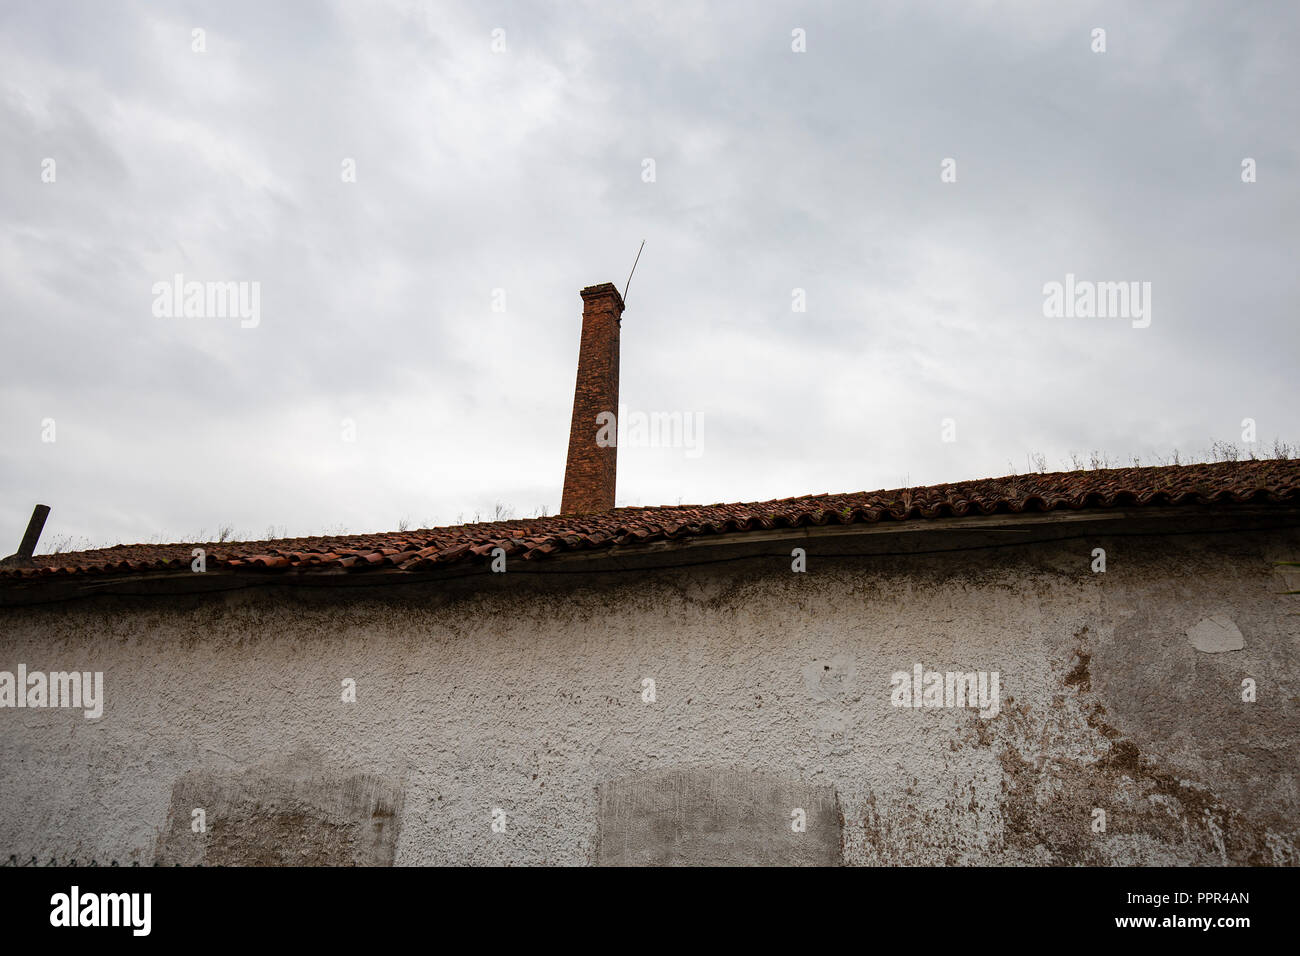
[(604, 289)]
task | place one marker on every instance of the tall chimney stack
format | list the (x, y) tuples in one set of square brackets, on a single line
[(589, 473)]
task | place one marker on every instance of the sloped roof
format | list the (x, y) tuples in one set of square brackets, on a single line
[(1274, 482)]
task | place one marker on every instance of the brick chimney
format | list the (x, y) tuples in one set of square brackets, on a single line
[(590, 470)]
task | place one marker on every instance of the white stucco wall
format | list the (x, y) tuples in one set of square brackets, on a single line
[(525, 694)]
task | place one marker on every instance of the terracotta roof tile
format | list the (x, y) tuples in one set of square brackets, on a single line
[(1276, 482)]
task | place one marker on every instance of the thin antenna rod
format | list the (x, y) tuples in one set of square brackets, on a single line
[(629, 275)]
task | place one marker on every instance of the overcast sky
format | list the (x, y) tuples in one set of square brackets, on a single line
[(523, 169)]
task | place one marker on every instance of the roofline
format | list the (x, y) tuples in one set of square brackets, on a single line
[(1205, 519)]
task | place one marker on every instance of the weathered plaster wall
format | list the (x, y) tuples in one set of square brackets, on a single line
[(772, 693)]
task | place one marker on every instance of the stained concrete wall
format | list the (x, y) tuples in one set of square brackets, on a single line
[(506, 719)]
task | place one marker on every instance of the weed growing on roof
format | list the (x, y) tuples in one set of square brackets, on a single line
[(65, 542), (1224, 451), (1218, 452)]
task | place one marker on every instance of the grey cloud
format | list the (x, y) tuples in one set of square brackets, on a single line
[(521, 171)]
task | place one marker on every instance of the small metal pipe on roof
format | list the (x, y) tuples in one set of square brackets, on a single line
[(34, 528), (33, 534)]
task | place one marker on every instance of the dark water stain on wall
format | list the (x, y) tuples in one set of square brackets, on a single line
[(1048, 803), (1156, 811)]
